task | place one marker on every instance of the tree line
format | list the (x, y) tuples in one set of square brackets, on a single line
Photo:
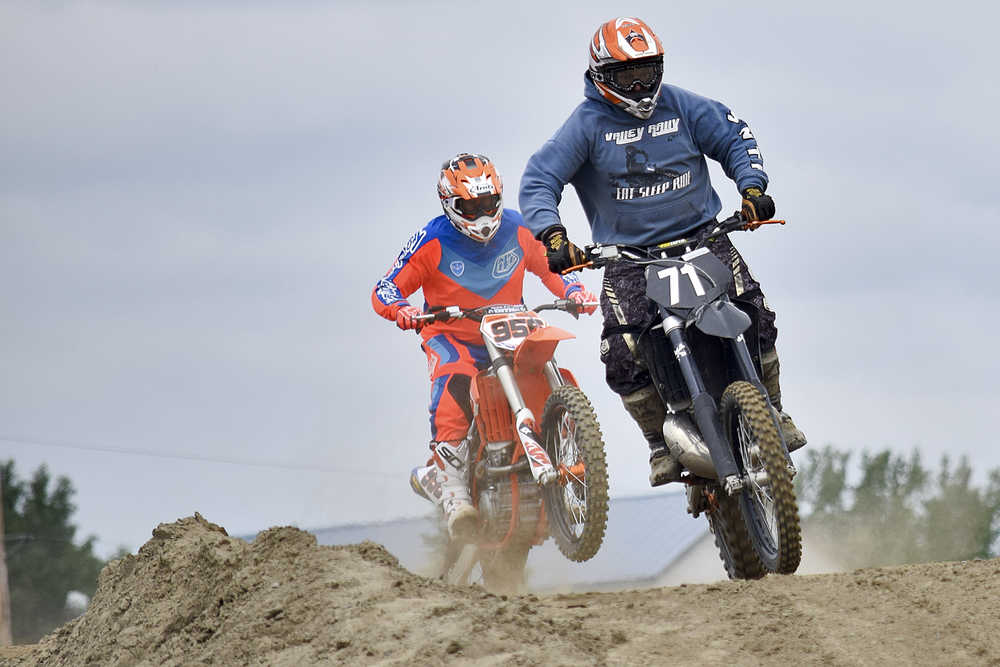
[(43, 562), (897, 511)]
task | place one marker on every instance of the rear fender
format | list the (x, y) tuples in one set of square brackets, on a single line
[(537, 348)]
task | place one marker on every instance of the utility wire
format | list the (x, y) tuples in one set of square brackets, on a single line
[(196, 457)]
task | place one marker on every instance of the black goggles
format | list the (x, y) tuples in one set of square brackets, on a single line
[(624, 77), (478, 206)]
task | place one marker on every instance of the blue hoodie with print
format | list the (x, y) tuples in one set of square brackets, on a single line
[(641, 182)]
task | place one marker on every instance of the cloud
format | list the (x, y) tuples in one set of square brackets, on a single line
[(196, 198)]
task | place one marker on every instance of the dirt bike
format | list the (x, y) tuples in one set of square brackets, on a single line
[(528, 478), (703, 355)]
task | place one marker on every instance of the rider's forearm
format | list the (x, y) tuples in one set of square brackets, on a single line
[(728, 139), (539, 204), (545, 176), (381, 294), (562, 286)]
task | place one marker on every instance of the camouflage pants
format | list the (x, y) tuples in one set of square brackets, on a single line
[(625, 285)]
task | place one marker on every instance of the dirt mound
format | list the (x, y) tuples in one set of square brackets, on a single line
[(195, 595)]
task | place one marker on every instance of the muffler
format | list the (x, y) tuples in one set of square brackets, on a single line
[(686, 444)]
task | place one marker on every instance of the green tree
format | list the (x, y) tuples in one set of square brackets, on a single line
[(897, 512), (961, 519), (822, 483), (43, 563)]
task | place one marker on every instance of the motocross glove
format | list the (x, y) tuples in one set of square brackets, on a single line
[(582, 296), (757, 205), (560, 251), (405, 317)]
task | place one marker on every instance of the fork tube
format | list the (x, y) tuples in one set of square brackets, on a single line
[(746, 363), (505, 374), (539, 462), (553, 375), (706, 412), (750, 374)]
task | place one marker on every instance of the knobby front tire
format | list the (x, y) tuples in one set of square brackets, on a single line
[(577, 504), (767, 502), (732, 540)]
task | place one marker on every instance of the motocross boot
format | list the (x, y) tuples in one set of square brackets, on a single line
[(445, 482), (648, 412), (794, 438)]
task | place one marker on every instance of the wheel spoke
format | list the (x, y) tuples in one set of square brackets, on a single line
[(577, 503), (575, 490), (756, 472)]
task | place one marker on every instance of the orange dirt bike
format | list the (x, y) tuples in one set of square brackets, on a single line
[(536, 455)]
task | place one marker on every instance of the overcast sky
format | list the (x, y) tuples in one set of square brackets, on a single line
[(197, 197)]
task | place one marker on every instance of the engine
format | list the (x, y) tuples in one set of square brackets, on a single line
[(496, 502)]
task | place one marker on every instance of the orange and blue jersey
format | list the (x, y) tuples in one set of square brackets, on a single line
[(454, 270)]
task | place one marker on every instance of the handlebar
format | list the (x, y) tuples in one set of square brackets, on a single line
[(601, 255), (448, 313)]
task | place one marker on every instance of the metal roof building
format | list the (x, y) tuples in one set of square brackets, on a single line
[(650, 541)]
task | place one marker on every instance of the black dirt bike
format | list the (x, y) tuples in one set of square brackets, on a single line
[(703, 355)]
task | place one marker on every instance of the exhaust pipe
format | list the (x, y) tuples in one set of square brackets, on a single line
[(686, 444)]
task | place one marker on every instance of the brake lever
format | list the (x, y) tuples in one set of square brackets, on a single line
[(754, 224), (585, 265)]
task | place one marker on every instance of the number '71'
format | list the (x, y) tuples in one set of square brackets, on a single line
[(673, 276)]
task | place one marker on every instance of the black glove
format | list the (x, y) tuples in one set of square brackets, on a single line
[(561, 253), (757, 205)]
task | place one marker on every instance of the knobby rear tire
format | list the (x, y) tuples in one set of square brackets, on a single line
[(774, 531), (503, 569), (578, 510), (460, 563), (499, 570)]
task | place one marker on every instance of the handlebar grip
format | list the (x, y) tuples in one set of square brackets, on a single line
[(441, 314)]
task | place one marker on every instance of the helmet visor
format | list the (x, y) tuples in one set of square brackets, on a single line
[(470, 209)]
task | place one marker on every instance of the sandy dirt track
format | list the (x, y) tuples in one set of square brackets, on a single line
[(193, 595)]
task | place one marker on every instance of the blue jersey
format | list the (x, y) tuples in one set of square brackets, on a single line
[(640, 182), (453, 270)]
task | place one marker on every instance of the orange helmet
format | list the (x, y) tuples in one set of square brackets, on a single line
[(471, 195), (626, 65)]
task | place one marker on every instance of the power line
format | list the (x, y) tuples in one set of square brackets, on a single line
[(197, 457)]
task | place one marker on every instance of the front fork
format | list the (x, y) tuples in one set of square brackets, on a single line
[(706, 412), (750, 374), (524, 420)]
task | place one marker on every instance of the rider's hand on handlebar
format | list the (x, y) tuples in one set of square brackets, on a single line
[(560, 251), (757, 205), (581, 297), (405, 318)]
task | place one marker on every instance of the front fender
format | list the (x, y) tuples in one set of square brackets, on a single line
[(723, 319), (537, 348)]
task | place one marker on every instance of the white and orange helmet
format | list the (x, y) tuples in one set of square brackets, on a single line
[(626, 65), (472, 195)]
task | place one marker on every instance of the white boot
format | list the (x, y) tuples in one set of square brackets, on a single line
[(446, 483)]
